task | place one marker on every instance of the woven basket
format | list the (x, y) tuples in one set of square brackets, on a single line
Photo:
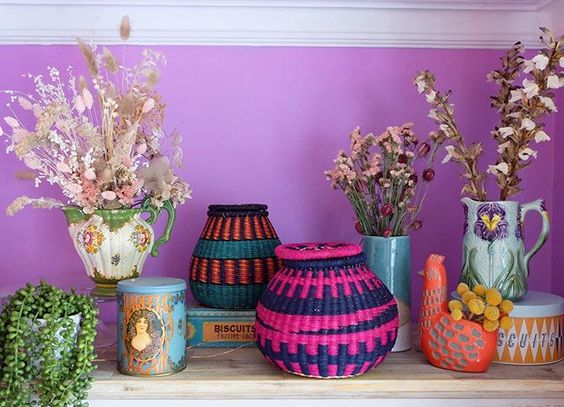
[(325, 314), (234, 258)]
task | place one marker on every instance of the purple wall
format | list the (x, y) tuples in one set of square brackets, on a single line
[(261, 125), (558, 206)]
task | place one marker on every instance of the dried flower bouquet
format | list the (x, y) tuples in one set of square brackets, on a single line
[(383, 187), (100, 140), (520, 106)]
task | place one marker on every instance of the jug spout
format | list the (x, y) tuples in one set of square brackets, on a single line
[(74, 214), (467, 201)]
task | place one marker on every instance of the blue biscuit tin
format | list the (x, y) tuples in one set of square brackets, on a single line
[(151, 326)]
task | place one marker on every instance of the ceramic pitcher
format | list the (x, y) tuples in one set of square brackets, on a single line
[(114, 243), (493, 250)]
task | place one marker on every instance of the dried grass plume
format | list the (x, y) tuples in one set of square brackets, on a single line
[(125, 28)]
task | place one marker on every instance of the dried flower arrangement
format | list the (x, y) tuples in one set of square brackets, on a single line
[(520, 107), (383, 187), (101, 142), (485, 306)]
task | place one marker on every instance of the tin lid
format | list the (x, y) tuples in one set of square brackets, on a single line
[(151, 285), (536, 304), (317, 250)]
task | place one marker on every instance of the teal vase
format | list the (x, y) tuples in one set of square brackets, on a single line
[(389, 258), (493, 252)]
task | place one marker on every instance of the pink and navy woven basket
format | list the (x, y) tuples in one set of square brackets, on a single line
[(325, 313)]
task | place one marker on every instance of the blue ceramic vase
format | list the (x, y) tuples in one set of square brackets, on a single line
[(389, 258), (493, 252)]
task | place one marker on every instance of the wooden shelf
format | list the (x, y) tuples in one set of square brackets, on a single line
[(244, 374)]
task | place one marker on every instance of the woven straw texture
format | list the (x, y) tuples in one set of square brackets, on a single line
[(234, 257), (326, 318)]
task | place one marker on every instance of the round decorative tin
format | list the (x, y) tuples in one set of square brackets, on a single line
[(537, 335), (151, 326)]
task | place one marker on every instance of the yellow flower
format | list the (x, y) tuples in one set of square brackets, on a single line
[(476, 306), (479, 290), (462, 288), (493, 297), (506, 306), (467, 296), (506, 323), (490, 326), (456, 314), (491, 313), (455, 304)]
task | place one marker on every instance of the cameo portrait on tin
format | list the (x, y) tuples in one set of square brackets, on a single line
[(144, 334)]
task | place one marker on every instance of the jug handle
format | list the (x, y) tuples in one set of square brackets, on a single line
[(153, 215), (537, 206)]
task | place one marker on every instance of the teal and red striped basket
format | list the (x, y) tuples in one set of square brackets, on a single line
[(234, 258)]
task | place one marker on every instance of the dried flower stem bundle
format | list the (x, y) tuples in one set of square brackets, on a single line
[(520, 107), (102, 142), (383, 187)]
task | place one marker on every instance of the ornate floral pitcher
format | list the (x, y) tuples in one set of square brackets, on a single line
[(114, 243), (493, 250)]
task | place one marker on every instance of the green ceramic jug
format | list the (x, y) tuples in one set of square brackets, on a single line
[(493, 249)]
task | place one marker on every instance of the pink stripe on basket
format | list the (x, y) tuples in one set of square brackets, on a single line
[(313, 341), (306, 284), (349, 369), (320, 283), (297, 323), (332, 370), (296, 368), (313, 370), (332, 280)]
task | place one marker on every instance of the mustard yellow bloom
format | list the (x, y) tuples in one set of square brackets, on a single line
[(476, 306), (479, 290), (491, 313), (456, 314), (490, 326), (455, 304), (506, 306), (493, 297), (467, 296), (506, 323), (461, 288)]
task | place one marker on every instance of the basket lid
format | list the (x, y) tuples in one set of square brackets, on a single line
[(237, 210), (151, 285), (317, 250)]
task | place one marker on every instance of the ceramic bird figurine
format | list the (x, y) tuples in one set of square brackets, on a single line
[(455, 345)]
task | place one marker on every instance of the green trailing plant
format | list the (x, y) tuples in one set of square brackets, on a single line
[(43, 359)]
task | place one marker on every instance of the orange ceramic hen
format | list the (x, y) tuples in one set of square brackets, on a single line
[(455, 345)]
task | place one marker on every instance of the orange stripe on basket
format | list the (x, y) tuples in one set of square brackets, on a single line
[(244, 271), (217, 228), (203, 271), (237, 228), (247, 231), (211, 225), (206, 229), (258, 227), (271, 228), (229, 271), (215, 272), (226, 231), (191, 272), (265, 227), (258, 270)]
